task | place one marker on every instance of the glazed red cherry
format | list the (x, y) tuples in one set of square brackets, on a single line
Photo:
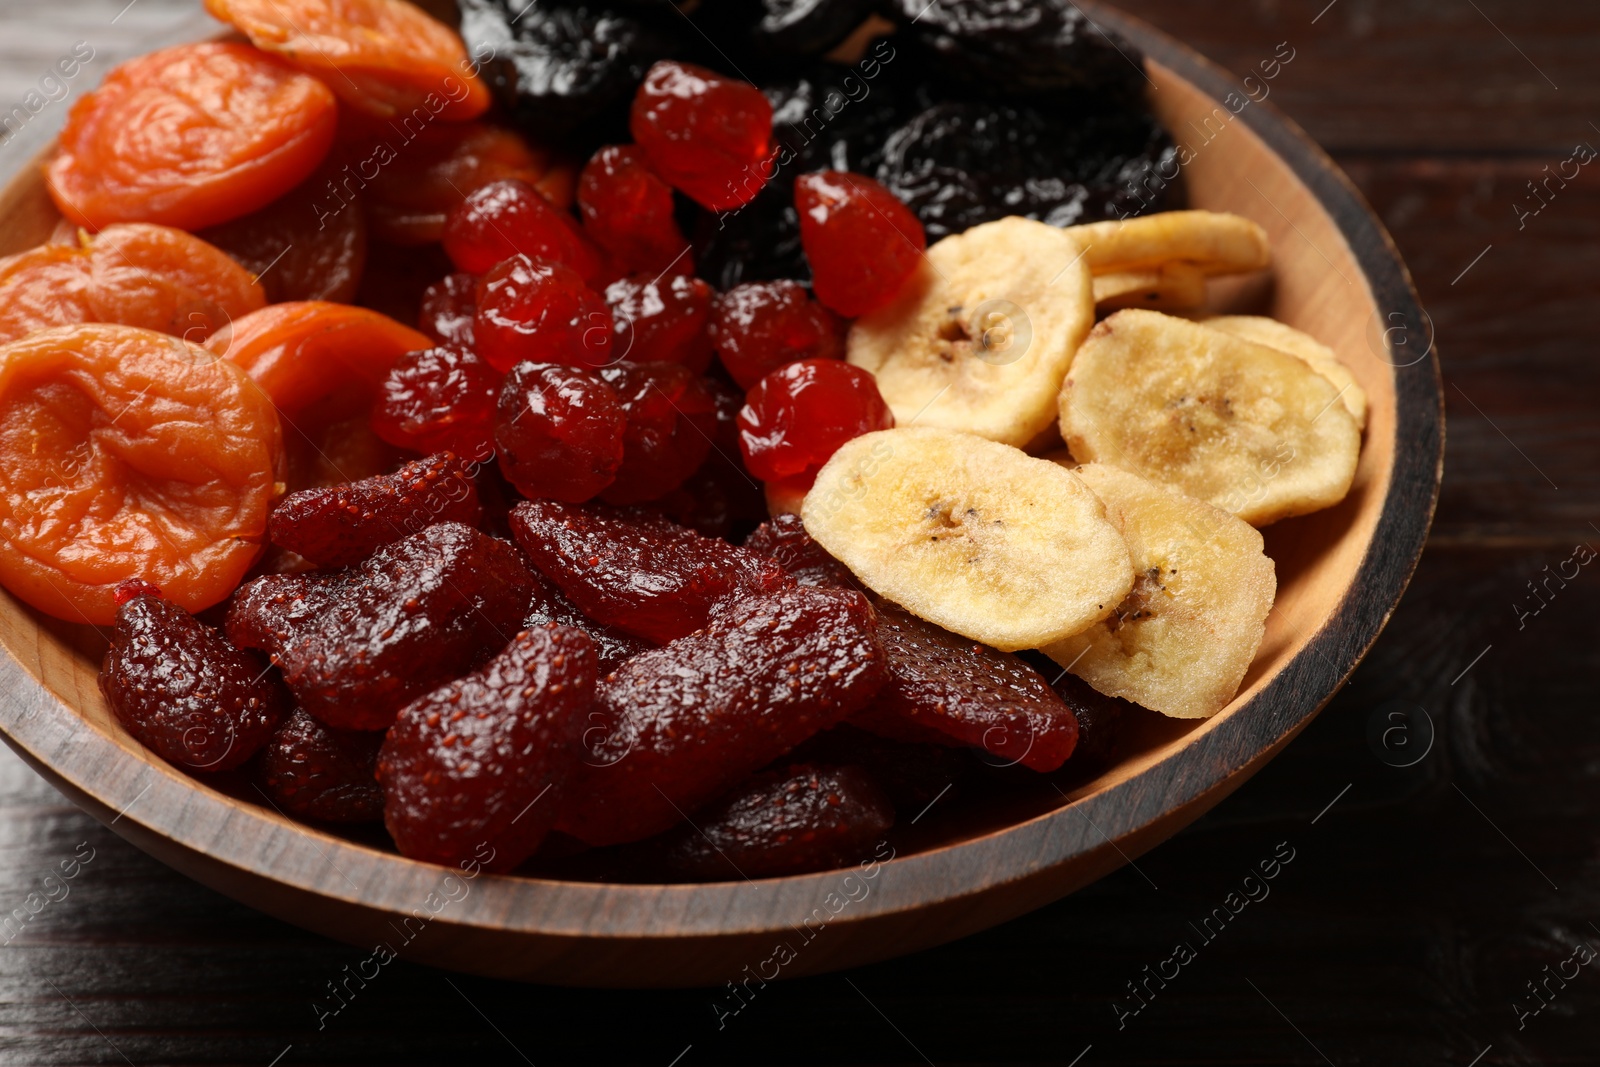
[(536, 311), (799, 416), (448, 307), (627, 210), (672, 418), (436, 400), (560, 432), (707, 135), (761, 326), (661, 320), (509, 217), (862, 243)]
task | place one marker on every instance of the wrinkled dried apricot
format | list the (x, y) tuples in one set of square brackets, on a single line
[(191, 136), (153, 277), (385, 57), (126, 453)]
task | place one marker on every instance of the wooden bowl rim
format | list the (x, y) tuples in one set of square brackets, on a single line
[(297, 855)]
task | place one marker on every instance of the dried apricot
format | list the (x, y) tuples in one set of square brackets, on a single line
[(385, 57), (126, 453), (191, 136), (135, 274)]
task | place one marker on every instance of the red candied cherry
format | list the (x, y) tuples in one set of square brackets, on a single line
[(761, 326), (436, 400), (509, 217), (707, 135), (533, 310), (448, 307), (560, 430), (672, 417), (862, 243), (628, 211), (662, 320), (799, 416)]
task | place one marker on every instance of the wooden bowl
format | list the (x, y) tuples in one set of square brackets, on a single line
[(982, 861)]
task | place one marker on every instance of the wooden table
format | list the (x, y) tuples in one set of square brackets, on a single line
[(1421, 902)]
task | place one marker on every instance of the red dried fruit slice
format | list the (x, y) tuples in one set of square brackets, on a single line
[(628, 211), (345, 524), (784, 539), (759, 327), (317, 772), (438, 400), (479, 763), (637, 571), (183, 691), (680, 724), (559, 432), (972, 693), (612, 646), (707, 135), (862, 243), (357, 645), (791, 821), (670, 420), (449, 307), (662, 320), (720, 499)]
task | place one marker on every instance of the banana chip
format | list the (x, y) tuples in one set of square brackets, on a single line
[(1182, 640), (1172, 287), (1215, 243), (1248, 428), (1284, 338)]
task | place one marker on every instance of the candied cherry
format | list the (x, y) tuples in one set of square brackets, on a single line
[(449, 307), (662, 320), (438, 399), (628, 211), (758, 327), (670, 419), (796, 418), (707, 135), (863, 244), (505, 218), (560, 432), (532, 310)]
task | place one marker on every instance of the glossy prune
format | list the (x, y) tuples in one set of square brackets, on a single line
[(345, 524), (357, 645), (317, 772), (784, 539), (636, 571), (182, 690), (798, 819), (808, 27), (469, 765), (678, 725)]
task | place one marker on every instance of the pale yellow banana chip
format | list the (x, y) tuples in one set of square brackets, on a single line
[(1172, 287), (1182, 640), (1214, 242), (976, 536), (1248, 428), (1285, 338)]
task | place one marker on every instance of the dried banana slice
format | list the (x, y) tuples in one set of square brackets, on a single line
[(1215, 242), (981, 337), (1248, 428), (1172, 287), (978, 537), (1285, 338), (1183, 639)]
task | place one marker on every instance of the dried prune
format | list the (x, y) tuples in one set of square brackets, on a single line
[(808, 27), (182, 690), (612, 646), (345, 524), (438, 399), (469, 764), (680, 724), (784, 539), (357, 645), (975, 694), (638, 572), (957, 165), (670, 420), (801, 818), (317, 772)]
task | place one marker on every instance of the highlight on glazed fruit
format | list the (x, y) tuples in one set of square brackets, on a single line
[(574, 454)]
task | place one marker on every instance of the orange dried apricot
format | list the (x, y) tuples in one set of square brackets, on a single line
[(127, 453), (132, 274), (385, 57), (190, 137)]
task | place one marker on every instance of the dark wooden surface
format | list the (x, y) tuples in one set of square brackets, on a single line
[(1417, 907)]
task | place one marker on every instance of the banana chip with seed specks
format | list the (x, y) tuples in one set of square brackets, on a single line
[(1183, 639), (978, 537), (1285, 338), (1214, 242), (1173, 287), (1248, 428)]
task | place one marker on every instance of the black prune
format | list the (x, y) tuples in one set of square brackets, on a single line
[(809, 27)]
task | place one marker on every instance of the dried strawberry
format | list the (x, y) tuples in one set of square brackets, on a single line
[(182, 690), (784, 539), (638, 572), (469, 764), (356, 645), (914, 775), (801, 818), (437, 400), (317, 772), (347, 523), (670, 420), (612, 646), (680, 724)]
